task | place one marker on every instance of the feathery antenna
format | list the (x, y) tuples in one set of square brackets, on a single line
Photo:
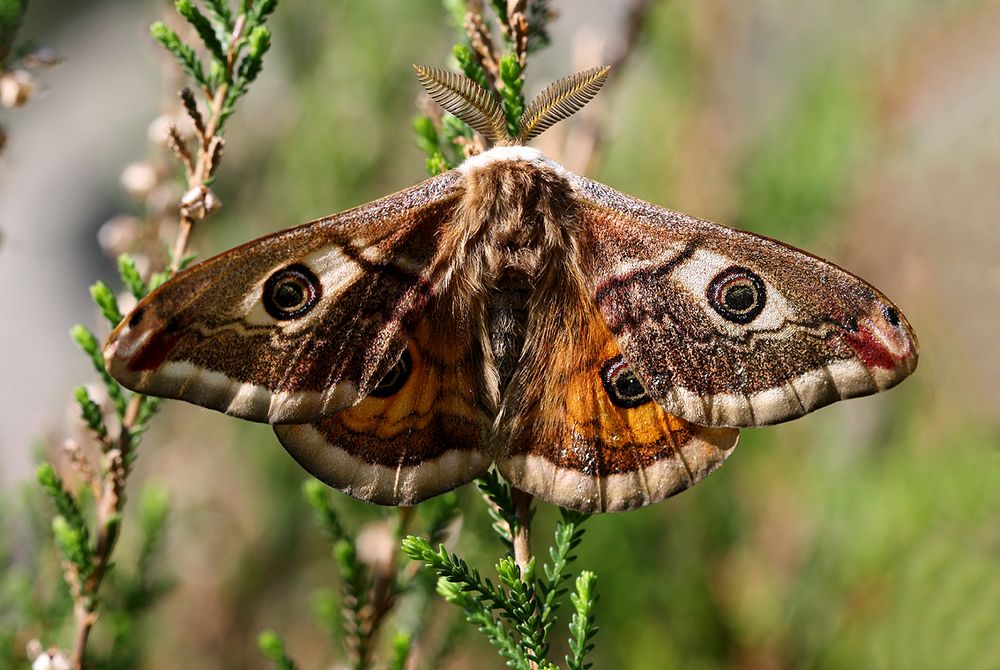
[(560, 100), (465, 99), (478, 107)]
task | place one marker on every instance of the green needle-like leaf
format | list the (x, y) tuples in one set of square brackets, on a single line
[(90, 411), (513, 100), (88, 343), (274, 650), (184, 54), (106, 301), (131, 277), (317, 494), (204, 28), (582, 628), (70, 528), (219, 9)]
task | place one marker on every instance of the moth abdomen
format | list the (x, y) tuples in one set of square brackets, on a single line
[(507, 323)]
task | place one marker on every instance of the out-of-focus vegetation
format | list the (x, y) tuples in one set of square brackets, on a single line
[(864, 536)]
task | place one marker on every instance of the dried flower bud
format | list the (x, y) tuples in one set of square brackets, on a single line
[(72, 448), (51, 659), (138, 179), (376, 544), (113, 464), (79, 461), (42, 56), (158, 131), (118, 235), (33, 649), (162, 200), (126, 301), (199, 202), (16, 88)]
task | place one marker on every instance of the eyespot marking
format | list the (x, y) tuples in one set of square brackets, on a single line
[(395, 378), (174, 325), (737, 294), (136, 317), (891, 315), (622, 386), (291, 292)]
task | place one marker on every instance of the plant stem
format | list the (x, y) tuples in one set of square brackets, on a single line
[(109, 509), (111, 502), (522, 533), (201, 174), (382, 596)]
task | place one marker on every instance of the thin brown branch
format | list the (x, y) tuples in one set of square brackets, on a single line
[(482, 45), (207, 160), (110, 505), (583, 142), (522, 537), (522, 534), (111, 501), (385, 587)]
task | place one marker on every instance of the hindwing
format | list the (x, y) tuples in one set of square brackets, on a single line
[(419, 433), (576, 431)]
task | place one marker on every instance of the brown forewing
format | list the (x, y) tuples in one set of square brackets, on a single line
[(204, 336), (831, 335)]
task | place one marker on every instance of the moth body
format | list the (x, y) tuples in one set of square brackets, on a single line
[(599, 350), (513, 229)]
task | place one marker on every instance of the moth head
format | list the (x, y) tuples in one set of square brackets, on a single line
[(484, 113)]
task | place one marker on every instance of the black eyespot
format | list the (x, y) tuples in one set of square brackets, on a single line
[(737, 294), (395, 378), (173, 326), (622, 386), (136, 317), (291, 292), (891, 315)]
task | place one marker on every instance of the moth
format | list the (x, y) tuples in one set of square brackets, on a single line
[(602, 352)]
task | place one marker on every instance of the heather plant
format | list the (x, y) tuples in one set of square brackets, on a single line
[(90, 511)]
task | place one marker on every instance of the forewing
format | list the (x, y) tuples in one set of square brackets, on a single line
[(576, 432), (418, 434), (216, 334), (728, 328)]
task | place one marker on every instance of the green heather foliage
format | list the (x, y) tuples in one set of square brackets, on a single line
[(88, 520)]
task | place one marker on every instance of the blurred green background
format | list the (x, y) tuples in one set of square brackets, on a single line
[(866, 535)]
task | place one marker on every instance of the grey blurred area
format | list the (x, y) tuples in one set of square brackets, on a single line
[(58, 183)]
